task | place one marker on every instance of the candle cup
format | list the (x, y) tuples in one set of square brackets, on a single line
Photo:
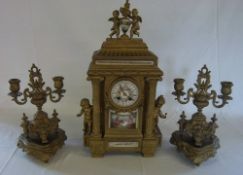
[(14, 86), (226, 89), (58, 82), (179, 85)]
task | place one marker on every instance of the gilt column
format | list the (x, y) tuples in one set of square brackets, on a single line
[(96, 106), (152, 82)]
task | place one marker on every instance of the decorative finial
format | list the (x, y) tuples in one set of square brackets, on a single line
[(127, 3), (129, 19)]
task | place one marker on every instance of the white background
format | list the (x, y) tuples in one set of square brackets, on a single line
[(60, 36)]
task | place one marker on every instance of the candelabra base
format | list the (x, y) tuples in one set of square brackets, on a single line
[(196, 154), (42, 152)]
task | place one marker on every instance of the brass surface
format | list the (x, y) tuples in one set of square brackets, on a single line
[(124, 59), (41, 136), (196, 137)]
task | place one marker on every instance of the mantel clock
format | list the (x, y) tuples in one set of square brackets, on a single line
[(123, 116)]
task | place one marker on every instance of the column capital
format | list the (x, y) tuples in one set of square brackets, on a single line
[(95, 78), (157, 78)]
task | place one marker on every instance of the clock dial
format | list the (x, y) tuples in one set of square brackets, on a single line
[(124, 93)]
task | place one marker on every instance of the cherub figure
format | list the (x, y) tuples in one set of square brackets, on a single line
[(54, 121), (136, 19), (116, 24), (157, 112), (87, 112), (25, 124), (212, 127), (182, 122)]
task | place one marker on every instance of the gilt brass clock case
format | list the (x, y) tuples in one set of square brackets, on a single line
[(118, 123), (127, 60)]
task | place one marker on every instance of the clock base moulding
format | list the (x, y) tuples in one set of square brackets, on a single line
[(100, 146)]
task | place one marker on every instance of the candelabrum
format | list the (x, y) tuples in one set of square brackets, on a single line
[(41, 136), (196, 137)]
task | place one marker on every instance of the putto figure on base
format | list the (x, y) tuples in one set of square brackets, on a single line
[(86, 111), (159, 103), (41, 136), (196, 137)]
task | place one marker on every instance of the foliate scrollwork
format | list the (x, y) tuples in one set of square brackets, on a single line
[(201, 96), (36, 92)]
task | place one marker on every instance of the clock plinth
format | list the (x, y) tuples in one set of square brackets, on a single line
[(124, 111)]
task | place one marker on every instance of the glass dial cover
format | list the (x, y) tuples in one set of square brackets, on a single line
[(124, 93)]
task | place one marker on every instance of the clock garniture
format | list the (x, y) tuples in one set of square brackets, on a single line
[(196, 137), (124, 113), (41, 136)]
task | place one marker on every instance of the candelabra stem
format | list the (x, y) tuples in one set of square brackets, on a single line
[(39, 108)]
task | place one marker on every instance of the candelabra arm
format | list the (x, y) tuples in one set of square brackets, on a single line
[(190, 94), (26, 94), (55, 96), (215, 102)]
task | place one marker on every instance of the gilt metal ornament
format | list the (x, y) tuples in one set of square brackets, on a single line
[(129, 19), (41, 136), (196, 137)]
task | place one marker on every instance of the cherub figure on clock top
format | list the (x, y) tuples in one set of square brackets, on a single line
[(124, 74), (116, 24)]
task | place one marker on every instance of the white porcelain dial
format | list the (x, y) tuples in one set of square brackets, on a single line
[(124, 93)]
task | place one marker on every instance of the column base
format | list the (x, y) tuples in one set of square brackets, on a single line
[(97, 147), (149, 146)]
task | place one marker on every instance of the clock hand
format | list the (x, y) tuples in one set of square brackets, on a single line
[(128, 95), (130, 99)]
